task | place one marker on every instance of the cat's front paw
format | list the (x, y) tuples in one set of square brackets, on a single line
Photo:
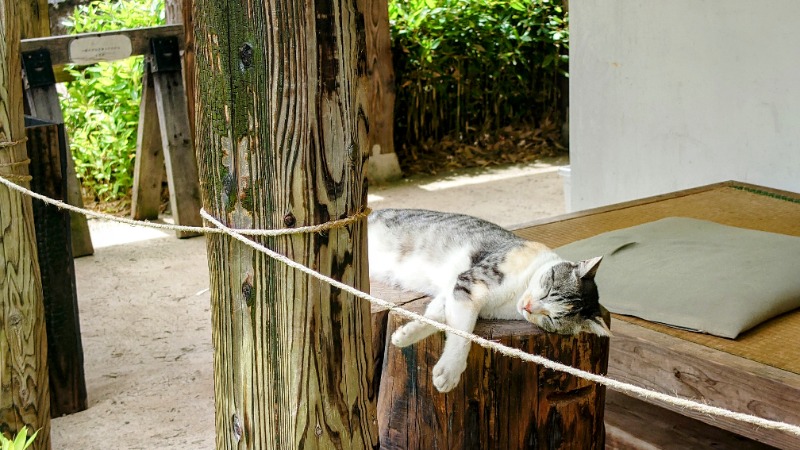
[(447, 375), (402, 337)]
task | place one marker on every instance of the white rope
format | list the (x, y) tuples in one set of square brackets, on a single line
[(620, 386), (201, 230), (616, 385)]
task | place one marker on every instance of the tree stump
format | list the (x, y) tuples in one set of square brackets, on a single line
[(501, 402)]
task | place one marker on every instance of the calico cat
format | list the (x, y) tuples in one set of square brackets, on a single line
[(473, 268)]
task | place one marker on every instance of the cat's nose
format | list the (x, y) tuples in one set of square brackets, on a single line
[(535, 307)]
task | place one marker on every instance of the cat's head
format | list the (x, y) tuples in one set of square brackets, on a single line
[(563, 298)]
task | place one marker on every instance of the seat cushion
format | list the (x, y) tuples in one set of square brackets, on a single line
[(695, 274)]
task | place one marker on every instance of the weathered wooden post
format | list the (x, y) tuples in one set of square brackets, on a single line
[(282, 141), (24, 395), (500, 402), (383, 164)]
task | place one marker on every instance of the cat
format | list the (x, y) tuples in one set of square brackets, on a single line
[(473, 268)]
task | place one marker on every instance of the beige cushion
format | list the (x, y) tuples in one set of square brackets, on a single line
[(695, 274)]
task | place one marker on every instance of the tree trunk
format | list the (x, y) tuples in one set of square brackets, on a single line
[(25, 396), (501, 402), (282, 140)]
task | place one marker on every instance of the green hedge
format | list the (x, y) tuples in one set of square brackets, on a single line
[(461, 66), (470, 65), (101, 107)]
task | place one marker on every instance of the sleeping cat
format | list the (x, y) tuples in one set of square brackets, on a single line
[(473, 268)]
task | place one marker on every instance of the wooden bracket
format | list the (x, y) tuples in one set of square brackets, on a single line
[(37, 70), (164, 113), (41, 102)]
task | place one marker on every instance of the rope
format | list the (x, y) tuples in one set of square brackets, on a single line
[(620, 386), (4, 144), (616, 385), (24, 162), (339, 223)]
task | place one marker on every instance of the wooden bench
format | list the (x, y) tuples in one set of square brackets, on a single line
[(758, 373)]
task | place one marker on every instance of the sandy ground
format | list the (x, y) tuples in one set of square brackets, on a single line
[(146, 320)]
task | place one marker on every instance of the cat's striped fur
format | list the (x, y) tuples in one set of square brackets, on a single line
[(473, 268)]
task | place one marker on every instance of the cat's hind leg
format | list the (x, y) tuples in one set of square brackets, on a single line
[(415, 331)]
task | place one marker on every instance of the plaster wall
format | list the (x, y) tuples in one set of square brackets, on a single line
[(667, 95)]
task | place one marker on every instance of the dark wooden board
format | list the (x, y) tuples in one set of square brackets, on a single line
[(42, 103), (46, 149)]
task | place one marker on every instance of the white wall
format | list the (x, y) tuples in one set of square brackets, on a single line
[(667, 95)]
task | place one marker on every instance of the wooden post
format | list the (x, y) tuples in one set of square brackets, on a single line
[(383, 163), (47, 149), (34, 18), (180, 12), (501, 402), (24, 399), (43, 103), (282, 140)]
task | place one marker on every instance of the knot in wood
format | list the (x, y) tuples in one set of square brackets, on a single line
[(14, 319), (246, 55), (247, 292), (289, 220), (236, 428)]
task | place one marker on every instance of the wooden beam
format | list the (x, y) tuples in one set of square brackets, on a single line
[(107, 45), (148, 171), (43, 103), (25, 399), (47, 149), (671, 365), (282, 134), (634, 424), (178, 149)]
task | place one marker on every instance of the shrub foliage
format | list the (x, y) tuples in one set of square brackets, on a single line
[(472, 65), (462, 66), (101, 107)]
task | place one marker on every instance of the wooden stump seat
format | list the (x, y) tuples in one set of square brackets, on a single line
[(501, 402)]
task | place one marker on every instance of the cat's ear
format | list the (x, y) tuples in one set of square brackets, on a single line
[(597, 326), (588, 268)]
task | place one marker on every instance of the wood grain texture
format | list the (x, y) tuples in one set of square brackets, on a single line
[(35, 18), (282, 135), (24, 393), (501, 402), (381, 76), (380, 316), (634, 424), (46, 142), (43, 103), (665, 364), (149, 169), (179, 155)]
